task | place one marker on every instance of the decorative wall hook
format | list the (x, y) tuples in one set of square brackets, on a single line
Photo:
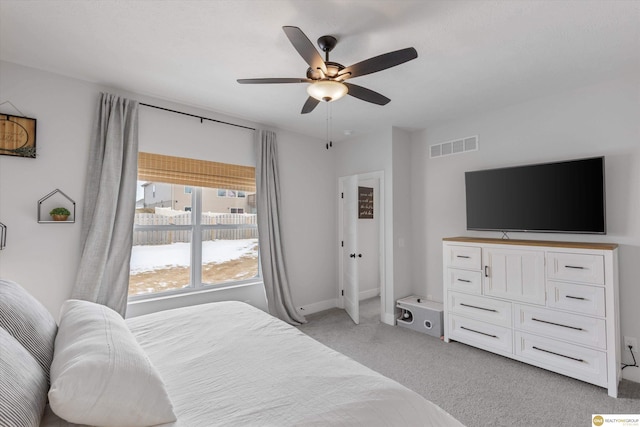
[(3, 236)]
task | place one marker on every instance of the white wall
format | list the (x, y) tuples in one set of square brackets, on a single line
[(389, 152), (44, 257), (308, 218), (363, 154), (403, 284), (602, 119)]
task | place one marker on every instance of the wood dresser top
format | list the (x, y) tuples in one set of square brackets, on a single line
[(548, 243)]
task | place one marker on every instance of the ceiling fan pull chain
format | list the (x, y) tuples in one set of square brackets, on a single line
[(327, 126), (330, 125)]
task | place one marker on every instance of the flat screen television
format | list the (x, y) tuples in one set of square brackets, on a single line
[(559, 197)]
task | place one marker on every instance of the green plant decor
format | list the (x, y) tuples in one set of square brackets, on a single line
[(60, 211)]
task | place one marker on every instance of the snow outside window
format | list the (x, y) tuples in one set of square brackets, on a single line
[(191, 241)]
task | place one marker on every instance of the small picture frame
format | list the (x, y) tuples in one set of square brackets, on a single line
[(365, 203), (17, 136)]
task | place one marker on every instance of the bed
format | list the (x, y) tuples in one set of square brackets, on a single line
[(224, 363)]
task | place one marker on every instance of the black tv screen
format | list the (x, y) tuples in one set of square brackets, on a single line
[(559, 197)]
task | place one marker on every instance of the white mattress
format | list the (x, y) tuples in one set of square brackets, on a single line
[(229, 363)]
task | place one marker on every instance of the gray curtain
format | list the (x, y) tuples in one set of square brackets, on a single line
[(109, 205), (274, 273)]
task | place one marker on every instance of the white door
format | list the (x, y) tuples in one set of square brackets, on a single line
[(350, 249)]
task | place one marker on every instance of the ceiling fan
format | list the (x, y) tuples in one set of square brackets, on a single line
[(327, 78)]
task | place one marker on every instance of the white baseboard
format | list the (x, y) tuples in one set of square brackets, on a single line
[(318, 306), (333, 303), (369, 294), (631, 374), (389, 319)]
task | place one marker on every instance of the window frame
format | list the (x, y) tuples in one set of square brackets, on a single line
[(195, 272)]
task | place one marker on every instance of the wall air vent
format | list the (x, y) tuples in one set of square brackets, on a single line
[(458, 146)]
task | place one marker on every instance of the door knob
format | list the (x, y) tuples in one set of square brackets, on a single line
[(359, 255)]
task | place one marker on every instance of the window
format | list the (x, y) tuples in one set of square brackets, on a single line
[(202, 245), (223, 192)]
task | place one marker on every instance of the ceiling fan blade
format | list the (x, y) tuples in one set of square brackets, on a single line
[(366, 94), (273, 80), (309, 105), (305, 48), (379, 63)]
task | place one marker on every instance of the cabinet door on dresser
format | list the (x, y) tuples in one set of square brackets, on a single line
[(514, 274)]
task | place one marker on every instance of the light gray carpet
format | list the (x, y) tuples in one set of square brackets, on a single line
[(476, 387)]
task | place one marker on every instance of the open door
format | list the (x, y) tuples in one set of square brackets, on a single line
[(350, 248)]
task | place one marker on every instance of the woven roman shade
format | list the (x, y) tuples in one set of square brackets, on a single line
[(196, 173)]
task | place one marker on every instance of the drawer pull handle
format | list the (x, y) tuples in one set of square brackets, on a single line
[(486, 271), (556, 324), (478, 332), (464, 280), (577, 267), (558, 354), (572, 297), (479, 308), (463, 256)]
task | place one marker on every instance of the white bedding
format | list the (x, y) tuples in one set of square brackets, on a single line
[(229, 363)]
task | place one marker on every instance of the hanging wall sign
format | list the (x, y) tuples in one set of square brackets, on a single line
[(365, 203), (17, 136)]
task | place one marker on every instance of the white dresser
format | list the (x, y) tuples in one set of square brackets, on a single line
[(550, 304)]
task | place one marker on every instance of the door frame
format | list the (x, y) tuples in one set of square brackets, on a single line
[(379, 209)]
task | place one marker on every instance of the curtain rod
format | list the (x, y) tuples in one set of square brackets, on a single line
[(198, 117)]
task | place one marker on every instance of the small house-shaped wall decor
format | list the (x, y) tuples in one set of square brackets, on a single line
[(56, 199)]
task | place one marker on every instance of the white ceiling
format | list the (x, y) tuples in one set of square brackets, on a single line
[(472, 55)]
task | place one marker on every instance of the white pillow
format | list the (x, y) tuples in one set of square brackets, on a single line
[(100, 375)]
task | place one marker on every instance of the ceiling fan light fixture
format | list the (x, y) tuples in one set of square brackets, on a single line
[(327, 90)]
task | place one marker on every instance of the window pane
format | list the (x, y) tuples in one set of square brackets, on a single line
[(228, 254), (228, 260), (160, 256), (160, 261)]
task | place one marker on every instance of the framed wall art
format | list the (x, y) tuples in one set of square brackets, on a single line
[(365, 203), (17, 136)]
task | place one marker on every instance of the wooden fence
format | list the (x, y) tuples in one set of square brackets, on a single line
[(165, 237)]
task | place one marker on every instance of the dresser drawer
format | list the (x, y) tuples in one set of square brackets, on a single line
[(563, 326), (464, 280), (576, 267), (468, 257), (568, 359), (480, 308), (480, 334), (581, 299)]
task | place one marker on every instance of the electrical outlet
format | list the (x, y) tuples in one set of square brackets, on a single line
[(633, 342)]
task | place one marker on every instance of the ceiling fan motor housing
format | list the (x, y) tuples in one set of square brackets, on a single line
[(333, 69)]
